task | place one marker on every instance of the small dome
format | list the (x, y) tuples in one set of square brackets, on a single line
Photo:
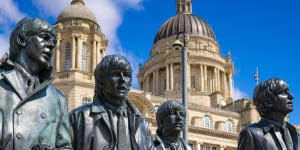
[(76, 10), (191, 24)]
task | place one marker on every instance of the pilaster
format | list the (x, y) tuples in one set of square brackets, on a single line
[(79, 53), (73, 53), (171, 77), (153, 82), (57, 56), (98, 53), (94, 56), (167, 77)]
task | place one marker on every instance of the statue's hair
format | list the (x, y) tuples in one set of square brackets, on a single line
[(108, 63), (266, 91), (24, 30), (167, 108)]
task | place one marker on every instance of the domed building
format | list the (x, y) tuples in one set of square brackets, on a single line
[(80, 47), (214, 119)]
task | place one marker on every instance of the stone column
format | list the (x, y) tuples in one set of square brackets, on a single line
[(205, 78), (157, 82), (215, 80), (224, 84), (98, 53), (57, 56), (73, 53), (218, 80), (79, 53), (230, 84), (103, 53), (153, 83), (201, 78), (198, 145), (167, 77), (94, 56), (222, 147), (171, 77), (148, 83)]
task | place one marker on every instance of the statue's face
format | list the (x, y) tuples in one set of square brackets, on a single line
[(39, 47), (116, 86), (283, 99), (174, 121)]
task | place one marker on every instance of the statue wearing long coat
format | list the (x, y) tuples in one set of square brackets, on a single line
[(91, 128), (34, 121)]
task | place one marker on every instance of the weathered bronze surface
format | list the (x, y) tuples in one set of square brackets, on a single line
[(33, 113), (170, 121), (273, 101), (111, 122)]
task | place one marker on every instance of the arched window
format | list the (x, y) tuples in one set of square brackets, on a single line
[(207, 122), (229, 126), (68, 56), (86, 100), (84, 58)]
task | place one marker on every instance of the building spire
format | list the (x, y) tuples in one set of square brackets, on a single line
[(184, 6), (77, 2)]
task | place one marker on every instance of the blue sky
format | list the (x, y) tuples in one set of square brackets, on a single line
[(258, 33)]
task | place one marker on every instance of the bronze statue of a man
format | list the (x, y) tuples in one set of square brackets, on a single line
[(273, 101), (170, 121), (111, 122), (33, 113)]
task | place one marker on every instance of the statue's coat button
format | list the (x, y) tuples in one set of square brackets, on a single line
[(19, 135), (43, 115), (19, 112)]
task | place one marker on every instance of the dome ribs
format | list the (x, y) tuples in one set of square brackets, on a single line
[(189, 23)]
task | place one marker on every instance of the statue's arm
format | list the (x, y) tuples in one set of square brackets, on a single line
[(63, 136), (72, 117), (246, 140)]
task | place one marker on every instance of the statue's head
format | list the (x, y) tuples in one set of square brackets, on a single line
[(113, 79), (273, 95), (36, 38), (170, 117)]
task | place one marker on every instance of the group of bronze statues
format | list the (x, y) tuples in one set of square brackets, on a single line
[(34, 114)]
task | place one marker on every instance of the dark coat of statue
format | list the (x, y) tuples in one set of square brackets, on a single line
[(170, 121), (96, 126), (273, 102), (33, 113)]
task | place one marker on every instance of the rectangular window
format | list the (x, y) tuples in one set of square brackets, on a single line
[(193, 82), (68, 57), (84, 58)]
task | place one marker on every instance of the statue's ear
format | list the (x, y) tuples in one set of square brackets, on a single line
[(21, 40), (268, 103)]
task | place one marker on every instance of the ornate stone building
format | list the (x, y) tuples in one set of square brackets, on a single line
[(80, 47), (214, 118)]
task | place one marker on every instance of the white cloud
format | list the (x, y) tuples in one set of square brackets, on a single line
[(109, 14), (4, 44), (238, 94), (9, 15), (51, 8), (9, 12)]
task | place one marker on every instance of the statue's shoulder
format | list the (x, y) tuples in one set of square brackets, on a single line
[(255, 130), (85, 109)]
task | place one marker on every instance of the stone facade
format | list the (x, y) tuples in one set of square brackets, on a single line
[(214, 118), (81, 45)]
